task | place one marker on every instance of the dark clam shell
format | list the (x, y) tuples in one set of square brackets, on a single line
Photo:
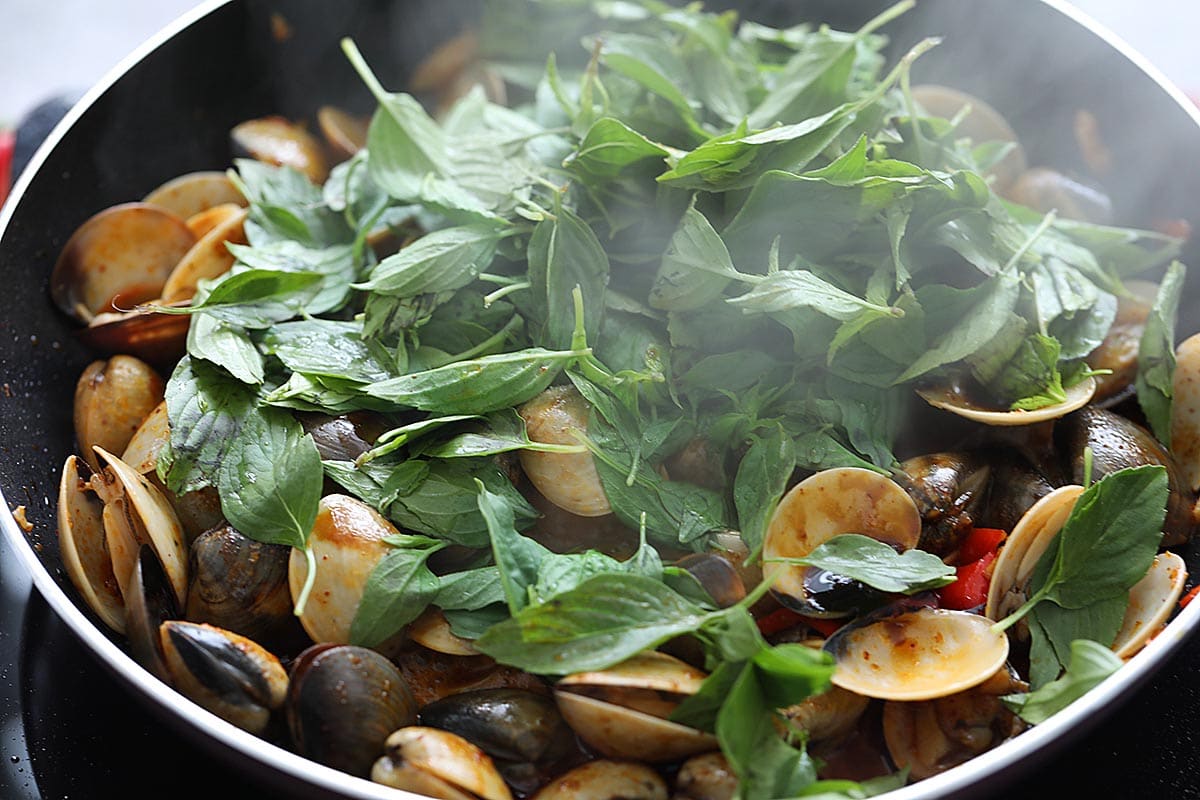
[(343, 703), (509, 724)]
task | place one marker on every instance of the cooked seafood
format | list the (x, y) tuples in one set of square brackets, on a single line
[(545, 447)]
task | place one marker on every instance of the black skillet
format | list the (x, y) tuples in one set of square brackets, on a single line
[(169, 113)]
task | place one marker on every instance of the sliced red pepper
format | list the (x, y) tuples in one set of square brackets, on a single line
[(783, 618), (978, 543), (1189, 597), (970, 587)]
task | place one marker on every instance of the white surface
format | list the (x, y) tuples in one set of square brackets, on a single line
[(49, 45)]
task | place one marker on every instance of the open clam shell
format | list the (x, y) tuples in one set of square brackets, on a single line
[(117, 259), (917, 655), (153, 337), (947, 400), (982, 123), (431, 760), (345, 133), (1151, 602), (832, 502), (1024, 547), (621, 711), (432, 630), (112, 399), (277, 141), (208, 258), (84, 550)]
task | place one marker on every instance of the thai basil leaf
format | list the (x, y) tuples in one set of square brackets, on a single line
[(501, 432), (601, 622), (762, 477), (877, 564), (476, 386), (518, 558), (564, 253), (270, 479), (226, 346), (1059, 627), (285, 205), (206, 409), (398, 590), (696, 267), (253, 298), (441, 261), (324, 347), (474, 623), (608, 147), (1156, 355), (337, 264), (799, 288), (1089, 665), (469, 590)]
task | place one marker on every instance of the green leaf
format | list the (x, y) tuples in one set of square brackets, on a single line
[(879, 565), (1090, 664), (469, 590), (1059, 627), (440, 261), (609, 147), (253, 298), (324, 347), (338, 264), (517, 557), (1156, 355), (398, 590), (270, 479), (206, 409), (476, 386), (227, 346), (800, 288), (564, 253), (696, 267), (761, 479), (602, 622), (286, 205)]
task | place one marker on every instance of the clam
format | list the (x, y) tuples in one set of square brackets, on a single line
[(345, 133), (1045, 190), (509, 724), (1185, 411), (431, 630), (568, 480), (229, 675), (1119, 349), (154, 432), (84, 551), (453, 69), (347, 540), (916, 655), (835, 501), (431, 676), (982, 123), (948, 399), (1151, 602), (1117, 443), (717, 575), (156, 338), (706, 777), (112, 399), (1024, 547), (117, 259), (208, 258), (606, 780), (622, 711), (149, 602), (204, 221), (277, 141), (241, 585), (154, 520), (194, 193), (342, 704), (831, 714), (438, 763), (932, 736), (949, 490)]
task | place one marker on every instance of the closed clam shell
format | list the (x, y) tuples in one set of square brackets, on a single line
[(157, 338), (195, 192), (277, 141), (117, 259), (230, 675), (442, 758), (568, 480), (342, 704), (1185, 411), (706, 777), (345, 133), (347, 541), (112, 400)]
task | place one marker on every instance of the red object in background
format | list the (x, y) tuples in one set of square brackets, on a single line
[(978, 543), (783, 618), (8, 142)]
